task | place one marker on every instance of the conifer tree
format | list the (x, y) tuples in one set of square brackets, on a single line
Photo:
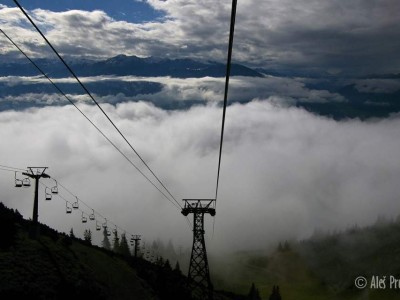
[(115, 242), (106, 242), (123, 246), (177, 268), (167, 265), (275, 295), (87, 236), (253, 293), (286, 246), (71, 233)]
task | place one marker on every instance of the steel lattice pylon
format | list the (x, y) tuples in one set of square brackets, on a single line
[(199, 274)]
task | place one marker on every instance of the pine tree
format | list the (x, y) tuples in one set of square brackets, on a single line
[(275, 293), (286, 246), (87, 236), (123, 246), (253, 293), (177, 268), (159, 261), (170, 252), (71, 233), (116, 242), (106, 242), (167, 265)]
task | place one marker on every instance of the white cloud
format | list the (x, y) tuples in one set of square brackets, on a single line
[(208, 89), (352, 36), (284, 171)]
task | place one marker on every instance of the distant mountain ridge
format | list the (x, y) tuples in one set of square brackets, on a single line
[(123, 65)]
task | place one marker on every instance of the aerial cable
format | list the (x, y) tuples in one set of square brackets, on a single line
[(83, 114), (3, 168), (228, 71), (72, 194), (8, 170), (85, 212), (93, 99), (12, 167)]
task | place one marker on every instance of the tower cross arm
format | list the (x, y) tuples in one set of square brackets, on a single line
[(199, 206)]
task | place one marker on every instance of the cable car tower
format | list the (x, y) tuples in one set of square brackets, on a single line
[(199, 274)]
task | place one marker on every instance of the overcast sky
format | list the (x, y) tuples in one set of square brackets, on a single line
[(285, 172), (331, 36)]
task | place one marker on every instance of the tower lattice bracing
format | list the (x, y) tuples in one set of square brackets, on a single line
[(199, 274)]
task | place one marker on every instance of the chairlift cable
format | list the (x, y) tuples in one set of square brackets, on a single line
[(81, 210), (12, 167), (87, 118), (3, 169), (69, 202), (93, 99), (72, 194)]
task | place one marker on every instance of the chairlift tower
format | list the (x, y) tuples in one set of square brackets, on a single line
[(199, 274), (36, 173), (135, 239)]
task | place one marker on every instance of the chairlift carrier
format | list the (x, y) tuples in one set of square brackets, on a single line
[(68, 209), (75, 205), (84, 218), (54, 189), (47, 193), (18, 182), (26, 182)]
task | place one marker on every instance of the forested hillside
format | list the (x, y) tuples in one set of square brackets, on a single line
[(56, 266)]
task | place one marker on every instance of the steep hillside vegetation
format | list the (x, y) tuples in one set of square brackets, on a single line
[(56, 266)]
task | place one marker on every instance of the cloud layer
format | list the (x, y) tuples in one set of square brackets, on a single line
[(176, 91), (285, 172), (314, 36)]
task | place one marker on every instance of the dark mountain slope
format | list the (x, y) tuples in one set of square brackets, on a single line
[(122, 65), (56, 266)]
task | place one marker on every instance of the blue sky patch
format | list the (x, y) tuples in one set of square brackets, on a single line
[(122, 10)]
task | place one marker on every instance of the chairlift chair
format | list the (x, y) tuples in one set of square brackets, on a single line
[(48, 193), (26, 182), (105, 224), (54, 189), (92, 216), (98, 227), (18, 182), (84, 219), (108, 233), (115, 231), (68, 209), (75, 205)]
